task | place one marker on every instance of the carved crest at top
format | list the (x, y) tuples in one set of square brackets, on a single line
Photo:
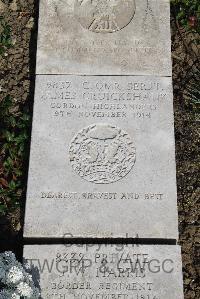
[(104, 16)]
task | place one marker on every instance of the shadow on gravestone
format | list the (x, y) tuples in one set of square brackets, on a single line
[(34, 272)]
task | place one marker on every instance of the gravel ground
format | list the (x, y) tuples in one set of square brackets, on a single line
[(17, 68)]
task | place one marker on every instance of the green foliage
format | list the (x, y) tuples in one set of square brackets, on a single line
[(192, 92), (14, 128), (5, 36), (187, 13)]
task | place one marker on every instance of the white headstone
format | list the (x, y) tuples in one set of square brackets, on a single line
[(102, 158), (106, 271), (96, 37)]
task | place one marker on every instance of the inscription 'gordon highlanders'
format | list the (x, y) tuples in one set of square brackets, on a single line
[(104, 16), (102, 153)]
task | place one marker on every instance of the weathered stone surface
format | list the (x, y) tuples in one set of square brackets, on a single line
[(104, 37), (107, 271), (102, 158)]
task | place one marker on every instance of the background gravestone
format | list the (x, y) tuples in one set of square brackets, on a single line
[(96, 38)]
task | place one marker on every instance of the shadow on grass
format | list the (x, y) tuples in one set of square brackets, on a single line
[(9, 238)]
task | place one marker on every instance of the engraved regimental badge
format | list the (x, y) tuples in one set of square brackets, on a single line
[(104, 16), (102, 153)]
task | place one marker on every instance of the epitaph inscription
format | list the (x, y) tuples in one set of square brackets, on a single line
[(104, 16), (102, 153)]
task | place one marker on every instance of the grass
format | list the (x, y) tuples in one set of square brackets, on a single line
[(14, 128), (192, 93), (5, 36), (187, 13), (187, 16)]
